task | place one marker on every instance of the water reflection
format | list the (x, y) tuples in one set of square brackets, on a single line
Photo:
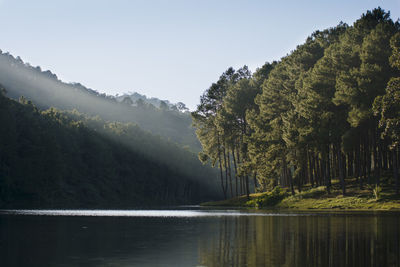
[(221, 238), (304, 241)]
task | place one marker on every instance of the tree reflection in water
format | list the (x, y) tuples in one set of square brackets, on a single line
[(303, 241)]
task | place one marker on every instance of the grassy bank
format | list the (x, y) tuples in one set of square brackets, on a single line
[(365, 198)]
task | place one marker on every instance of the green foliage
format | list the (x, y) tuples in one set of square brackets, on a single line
[(270, 199), (45, 90), (387, 106), (66, 159), (328, 110), (318, 199), (376, 191), (221, 127), (311, 193)]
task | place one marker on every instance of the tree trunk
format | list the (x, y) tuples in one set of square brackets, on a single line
[(235, 167), (310, 166), (220, 167), (298, 178), (324, 168), (363, 164), (229, 173), (330, 168), (341, 171), (350, 168), (240, 177), (358, 163), (317, 169), (395, 169), (226, 170), (328, 171), (289, 176), (369, 161), (385, 156), (247, 187), (378, 171), (255, 181), (375, 154)]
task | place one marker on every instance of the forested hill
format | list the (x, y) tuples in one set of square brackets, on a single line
[(45, 90), (328, 110), (136, 99), (65, 159)]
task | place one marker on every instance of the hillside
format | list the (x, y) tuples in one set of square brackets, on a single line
[(45, 90), (54, 159)]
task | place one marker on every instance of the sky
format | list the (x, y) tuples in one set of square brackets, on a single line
[(169, 49)]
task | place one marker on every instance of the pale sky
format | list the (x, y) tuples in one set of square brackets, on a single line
[(168, 49)]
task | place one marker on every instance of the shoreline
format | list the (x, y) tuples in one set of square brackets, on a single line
[(315, 199)]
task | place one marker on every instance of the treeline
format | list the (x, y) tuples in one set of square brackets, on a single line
[(137, 99), (328, 110), (66, 159), (45, 90)]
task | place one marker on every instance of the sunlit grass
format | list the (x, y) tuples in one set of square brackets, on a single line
[(368, 197)]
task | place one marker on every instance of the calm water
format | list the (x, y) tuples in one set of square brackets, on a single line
[(193, 237)]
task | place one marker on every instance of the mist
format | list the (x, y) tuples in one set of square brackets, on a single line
[(45, 90), (164, 136)]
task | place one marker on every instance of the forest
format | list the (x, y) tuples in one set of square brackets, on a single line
[(52, 158), (66, 145), (329, 109), (45, 90)]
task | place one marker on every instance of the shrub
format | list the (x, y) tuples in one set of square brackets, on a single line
[(270, 199), (377, 192)]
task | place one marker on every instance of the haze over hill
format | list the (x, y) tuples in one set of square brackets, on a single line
[(65, 159), (136, 99), (46, 90), (66, 145)]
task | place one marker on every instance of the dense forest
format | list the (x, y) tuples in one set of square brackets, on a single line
[(65, 145), (330, 109), (45, 90), (55, 158)]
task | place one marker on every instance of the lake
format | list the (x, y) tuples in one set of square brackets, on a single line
[(192, 236)]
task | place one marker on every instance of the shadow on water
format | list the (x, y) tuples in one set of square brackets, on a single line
[(223, 238)]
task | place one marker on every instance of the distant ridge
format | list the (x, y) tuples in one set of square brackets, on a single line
[(137, 98), (170, 121)]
